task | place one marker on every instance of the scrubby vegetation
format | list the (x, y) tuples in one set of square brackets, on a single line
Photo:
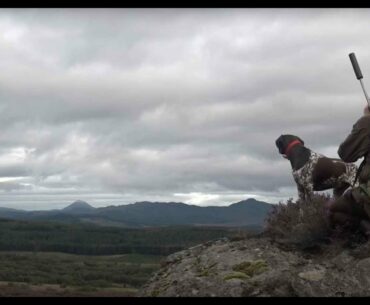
[(48, 273), (302, 223), (305, 224), (77, 270)]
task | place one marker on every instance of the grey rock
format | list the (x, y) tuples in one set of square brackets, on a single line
[(258, 266)]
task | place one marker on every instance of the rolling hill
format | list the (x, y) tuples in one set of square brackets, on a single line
[(248, 212)]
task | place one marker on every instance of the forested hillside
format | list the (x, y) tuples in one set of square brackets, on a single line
[(90, 239)]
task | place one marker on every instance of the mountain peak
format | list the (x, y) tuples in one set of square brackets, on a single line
[(246, 201), (78, 206)]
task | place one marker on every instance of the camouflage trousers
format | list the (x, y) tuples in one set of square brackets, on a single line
[(361, 196), (352, 207)]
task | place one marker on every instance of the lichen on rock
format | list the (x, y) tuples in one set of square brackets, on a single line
[(236, 275)]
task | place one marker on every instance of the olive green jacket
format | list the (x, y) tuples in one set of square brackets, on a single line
[(357, 145)]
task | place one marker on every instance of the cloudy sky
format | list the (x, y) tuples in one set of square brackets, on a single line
[(114, 106)]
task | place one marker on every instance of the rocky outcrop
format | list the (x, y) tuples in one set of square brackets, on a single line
[(259, 266)]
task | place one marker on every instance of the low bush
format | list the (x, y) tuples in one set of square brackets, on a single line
[(302, 223)]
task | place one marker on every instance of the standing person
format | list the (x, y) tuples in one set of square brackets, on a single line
[(353, 207)]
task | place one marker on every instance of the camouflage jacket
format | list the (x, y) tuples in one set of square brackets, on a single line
[(356, 146)]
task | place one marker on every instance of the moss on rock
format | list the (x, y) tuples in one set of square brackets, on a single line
[(251, 268), (236, 275)]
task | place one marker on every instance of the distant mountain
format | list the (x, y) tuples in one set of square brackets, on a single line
[(78, 207), (248, 212)]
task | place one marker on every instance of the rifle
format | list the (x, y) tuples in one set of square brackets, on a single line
[(358, 73)]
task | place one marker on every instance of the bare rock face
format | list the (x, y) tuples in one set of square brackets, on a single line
[(258, 266)]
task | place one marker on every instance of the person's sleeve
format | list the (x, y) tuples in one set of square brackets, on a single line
[(357, 143)]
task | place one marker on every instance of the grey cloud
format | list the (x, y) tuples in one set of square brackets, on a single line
[(149, 103)]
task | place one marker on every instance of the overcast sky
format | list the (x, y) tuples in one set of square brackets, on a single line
[(114, 106)]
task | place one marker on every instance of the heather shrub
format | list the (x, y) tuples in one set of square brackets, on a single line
[(303, 223)]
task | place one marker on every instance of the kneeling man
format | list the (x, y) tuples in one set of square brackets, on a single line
[(353, 208)]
